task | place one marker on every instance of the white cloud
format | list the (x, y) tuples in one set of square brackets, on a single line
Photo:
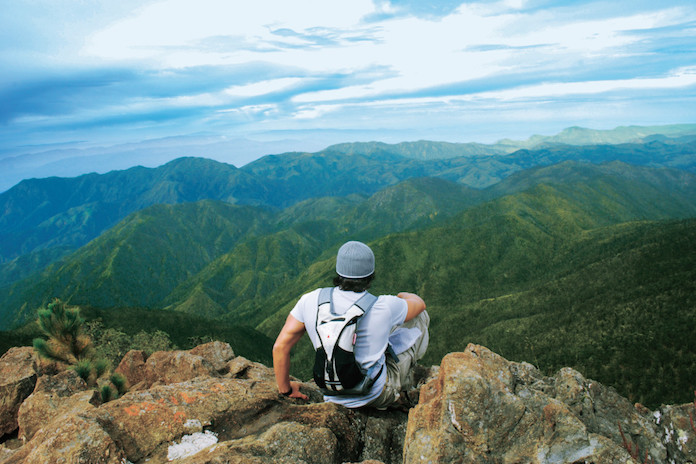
[(683, 77), (316, 111), (262, 87), (249, 110), (158, 29)]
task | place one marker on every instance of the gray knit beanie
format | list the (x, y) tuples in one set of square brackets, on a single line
[(355, 260)]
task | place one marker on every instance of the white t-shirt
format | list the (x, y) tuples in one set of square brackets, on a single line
[(373, 332)]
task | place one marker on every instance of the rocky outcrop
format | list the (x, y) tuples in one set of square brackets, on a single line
[(207, 406), (483, 408), (132, 368), (678, 428), (17, 379), (167, 367), (216, 353), (206, 391), (54, 395)]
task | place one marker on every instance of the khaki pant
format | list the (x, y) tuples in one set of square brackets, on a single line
[(400, 374)]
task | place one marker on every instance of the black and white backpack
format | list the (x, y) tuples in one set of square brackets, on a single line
[(336, 371)]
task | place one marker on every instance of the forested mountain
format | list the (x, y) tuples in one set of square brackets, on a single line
[(44, 219), (622, 134), (212, 256), (541, 278), (41, 214), (140, 260), (561, 255), (422, 150)]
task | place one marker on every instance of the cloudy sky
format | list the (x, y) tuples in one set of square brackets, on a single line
[(82, 77)]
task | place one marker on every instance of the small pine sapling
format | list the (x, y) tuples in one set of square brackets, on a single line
[(63, 327), (119, 381), (113, 388), (101, 366), (67, 343), (85, 369), (107, 393)]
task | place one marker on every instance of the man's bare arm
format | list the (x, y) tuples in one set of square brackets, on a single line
[(416, 305), (290, 334)]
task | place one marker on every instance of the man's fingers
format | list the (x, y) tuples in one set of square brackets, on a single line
[(296, 393)]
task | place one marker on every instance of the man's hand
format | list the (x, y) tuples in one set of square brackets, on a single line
[(296, 393), (416, 305)]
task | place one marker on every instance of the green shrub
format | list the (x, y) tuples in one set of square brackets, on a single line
[(62, 326), (119, 381), (68, 343), (85, 369), (107, 393)]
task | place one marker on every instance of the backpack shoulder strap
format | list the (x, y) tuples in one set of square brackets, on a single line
[(325, 295), (366, 302)]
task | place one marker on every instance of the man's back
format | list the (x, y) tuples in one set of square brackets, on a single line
[(372, 333), (355, 270)]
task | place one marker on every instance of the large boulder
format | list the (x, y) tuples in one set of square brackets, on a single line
[(17, 380), (166, 367), (678, 424), (54, 395), (75, 438), (142, 421), (603, 411), (482, 408), (241, 368), (132, 368), (216, 353), (162, 368)]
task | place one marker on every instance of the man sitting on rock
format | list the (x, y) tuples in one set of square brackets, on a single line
[(390, 337)]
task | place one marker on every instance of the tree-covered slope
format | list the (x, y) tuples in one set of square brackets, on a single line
[(140, 260), (58, 215), (541, 277), (233, 285), (622, 311), (220, 260), (68, 212), (294, 177), (650, 192)]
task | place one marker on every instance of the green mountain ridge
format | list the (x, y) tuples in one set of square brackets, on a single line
[(139, 261), (55, 216), (541, 279), (44, 213), (622, 134), (221, 259), (422, 149)]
